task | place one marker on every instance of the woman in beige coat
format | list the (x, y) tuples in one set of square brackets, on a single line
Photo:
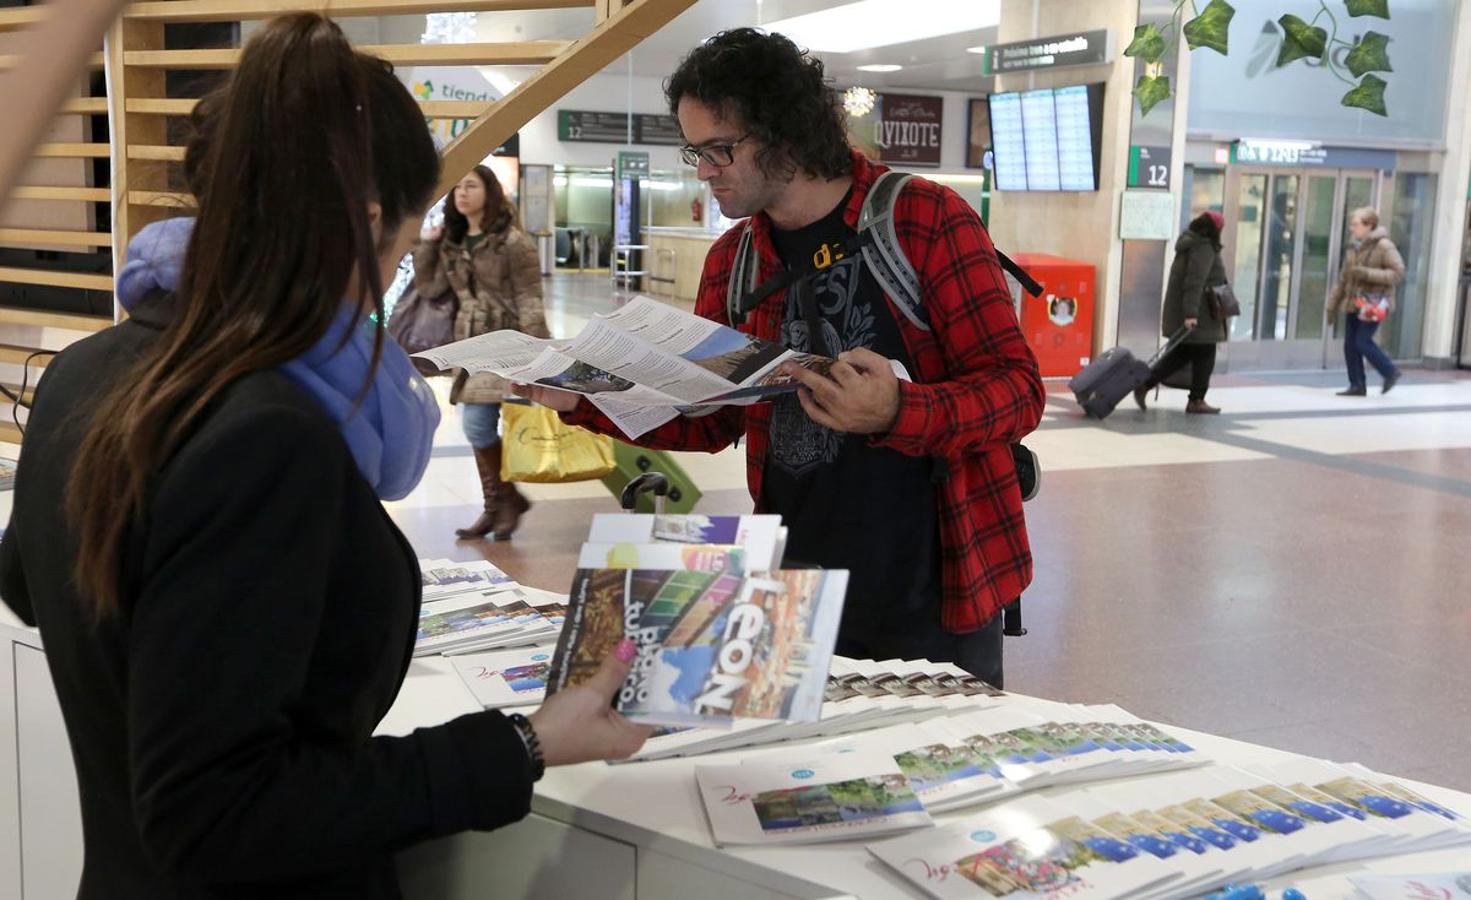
[(1365, 291), (492, 266)]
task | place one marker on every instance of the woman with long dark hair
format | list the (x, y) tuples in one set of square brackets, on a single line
[(1197, 268), (493, 269), (227, 609)]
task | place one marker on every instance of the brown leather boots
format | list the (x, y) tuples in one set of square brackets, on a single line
[(504, 505)]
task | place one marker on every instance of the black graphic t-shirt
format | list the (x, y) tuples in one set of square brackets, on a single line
[(847, 504)]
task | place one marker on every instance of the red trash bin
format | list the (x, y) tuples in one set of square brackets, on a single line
[(1059, 324)]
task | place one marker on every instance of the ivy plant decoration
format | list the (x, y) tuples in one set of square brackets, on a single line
[(1302, 39)]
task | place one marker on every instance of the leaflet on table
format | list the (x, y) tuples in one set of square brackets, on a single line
[(1028, 849), (839, 797), (692, 557), (712, 647), (501, 678), (446, 578), (943, 773), (478, 622), (1440, 886), (763, 537)]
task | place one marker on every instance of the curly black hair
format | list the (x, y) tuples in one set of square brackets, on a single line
[(779, 91)]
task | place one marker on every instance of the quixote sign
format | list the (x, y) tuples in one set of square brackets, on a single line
[(906, 129)]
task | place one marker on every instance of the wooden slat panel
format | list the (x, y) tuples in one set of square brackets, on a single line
[(28, 397), (39, 192), (21, 17), (9, 432), (11, 60), (89, 106), (10, 353), (530, 53), (160, 107), (37, 318), (455, 109), (39, 237), (72, 151), (173, 199), (600, 47), (156, 151), (241, 10), (52, 279)]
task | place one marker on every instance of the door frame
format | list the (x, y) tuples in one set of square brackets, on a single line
[(1290, 353)]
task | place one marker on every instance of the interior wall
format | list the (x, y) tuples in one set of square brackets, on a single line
[(1082, 226)]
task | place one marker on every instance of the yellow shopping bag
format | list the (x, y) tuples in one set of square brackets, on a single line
[(539, 448)]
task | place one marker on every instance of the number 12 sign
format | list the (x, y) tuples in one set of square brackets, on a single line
[(1149, 167)]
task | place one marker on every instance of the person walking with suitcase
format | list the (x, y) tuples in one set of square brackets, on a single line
[(911, 486), (1365, 291), (1196, 269)]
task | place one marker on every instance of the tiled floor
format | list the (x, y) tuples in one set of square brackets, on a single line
[(1296, 572)]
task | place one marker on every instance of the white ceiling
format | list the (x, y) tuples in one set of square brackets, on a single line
[(934, 64)]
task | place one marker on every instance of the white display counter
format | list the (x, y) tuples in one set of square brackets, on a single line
[(596, 831)]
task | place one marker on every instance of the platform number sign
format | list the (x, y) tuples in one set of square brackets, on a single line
[(1149, 167)]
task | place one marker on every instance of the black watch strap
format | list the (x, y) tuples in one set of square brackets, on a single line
[(532, 743)]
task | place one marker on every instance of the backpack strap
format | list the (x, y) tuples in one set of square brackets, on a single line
[(884, 255), (742, 281)]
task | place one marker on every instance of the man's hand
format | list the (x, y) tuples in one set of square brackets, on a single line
[(860, 395), (1192, 324), (551, 398), (432, 233)]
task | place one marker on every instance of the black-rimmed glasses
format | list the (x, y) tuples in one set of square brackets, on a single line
[(717, 155)]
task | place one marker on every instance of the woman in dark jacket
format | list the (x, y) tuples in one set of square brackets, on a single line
[(1197, 267), (227, 610)]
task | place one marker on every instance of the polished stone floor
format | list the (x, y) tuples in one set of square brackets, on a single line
[(1296, 572)]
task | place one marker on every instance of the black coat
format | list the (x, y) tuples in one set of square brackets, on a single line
[(222, 724), (1197, 266)]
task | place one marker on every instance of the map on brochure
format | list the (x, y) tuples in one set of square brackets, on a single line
[(839, 797), (712, 646), (645, 354)]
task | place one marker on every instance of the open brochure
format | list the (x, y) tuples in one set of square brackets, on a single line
[(662, 541), (641, 365), (712, 646)]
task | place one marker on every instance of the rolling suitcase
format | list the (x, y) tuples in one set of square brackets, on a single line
[(1115, 375), (631, 462)]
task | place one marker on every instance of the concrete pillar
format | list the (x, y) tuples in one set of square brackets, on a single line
[(1442, 293)]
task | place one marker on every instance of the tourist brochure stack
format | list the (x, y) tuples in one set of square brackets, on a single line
[(475, 606), (506, 678), (641, 365), (1176, 835), (736, 543), (1441, 886), (998, 748)]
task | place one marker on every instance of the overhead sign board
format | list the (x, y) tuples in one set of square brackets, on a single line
[(586, 127), (1080, 48)]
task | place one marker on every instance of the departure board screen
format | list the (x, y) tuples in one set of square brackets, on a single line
[(1047, 139)]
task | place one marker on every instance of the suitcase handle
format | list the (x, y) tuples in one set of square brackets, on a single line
[(648, 483), (1175, 340)]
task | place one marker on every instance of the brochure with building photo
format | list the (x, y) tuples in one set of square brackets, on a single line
[(712, 647), (646, 357), (502, 678), (1027, 849), (838, 797), (479, 622), (943, 772), (446, 578), (725, 558), (763, 538)]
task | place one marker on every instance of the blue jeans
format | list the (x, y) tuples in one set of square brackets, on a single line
[(482, 424), (1358, 343)]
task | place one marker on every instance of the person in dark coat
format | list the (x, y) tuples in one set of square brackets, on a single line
[(1196, 268), (198, 530)]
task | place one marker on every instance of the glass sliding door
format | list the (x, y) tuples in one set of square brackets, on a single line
[(1317, 269), (1245, 228), (1278, 258)]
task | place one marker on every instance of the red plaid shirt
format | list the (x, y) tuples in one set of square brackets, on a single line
[(977, 389)]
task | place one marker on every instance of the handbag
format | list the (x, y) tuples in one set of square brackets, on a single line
[(1371, 309), (1222, 301), (539, 447), (421, 323)]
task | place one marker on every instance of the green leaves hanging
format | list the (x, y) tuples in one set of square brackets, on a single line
[(1210, 28), (1378, 8), (1148, 44), (1150, 90), (1368, 95), (1301, 40), (1369, 55)]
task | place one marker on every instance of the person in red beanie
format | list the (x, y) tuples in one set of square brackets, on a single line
[(1197, 267)]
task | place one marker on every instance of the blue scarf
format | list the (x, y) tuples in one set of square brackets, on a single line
[(390, 434)]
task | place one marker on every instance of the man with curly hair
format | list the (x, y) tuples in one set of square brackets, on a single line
[(909, 485)]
